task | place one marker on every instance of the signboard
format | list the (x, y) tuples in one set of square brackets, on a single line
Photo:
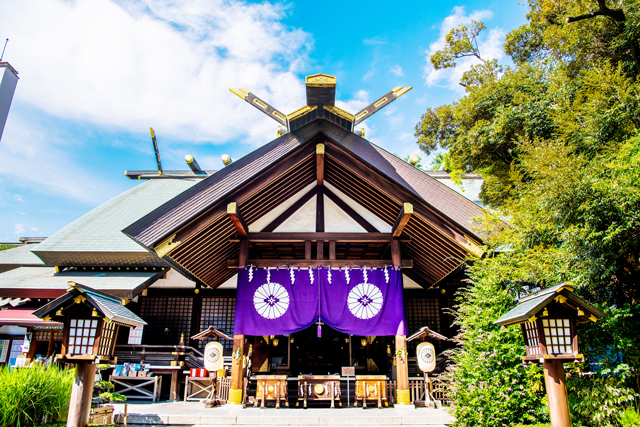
[(135, 335), (4, 350), (348, 371), (15, 352)]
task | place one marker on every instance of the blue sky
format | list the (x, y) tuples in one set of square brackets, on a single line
[(96, 74)]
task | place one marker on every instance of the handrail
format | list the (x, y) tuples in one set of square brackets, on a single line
[(173, 347)]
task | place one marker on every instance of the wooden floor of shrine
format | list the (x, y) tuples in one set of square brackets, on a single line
[(195, 414)]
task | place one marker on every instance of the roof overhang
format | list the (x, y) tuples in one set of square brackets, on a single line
[(24, 317), (44, 282)]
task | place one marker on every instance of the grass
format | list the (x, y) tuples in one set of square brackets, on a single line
[(32, 396)]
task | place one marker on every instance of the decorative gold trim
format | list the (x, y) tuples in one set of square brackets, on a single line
[(561, 299), (320, 148), (320, 80), (166, 246), (241, 93), (300, 112), (144, 292), (124, 301), (79, 299), (408, 208), (399, 91), (46, 318), (339, 112), (533, 319), (362, 113), (232, 208), (380, 102), (593, 318), (471, 247)]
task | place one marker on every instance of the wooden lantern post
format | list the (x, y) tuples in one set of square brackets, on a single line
[(91, 321), (548, 321)]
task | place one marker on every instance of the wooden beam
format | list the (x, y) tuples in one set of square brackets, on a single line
[(290, 210), (332, 249), (320, 163), (244, 253), (337, 263), (320, 246), (403, 218), (262, 237), (307, 249), (350, 211), (236, 218), (395, 254), (320, 212)]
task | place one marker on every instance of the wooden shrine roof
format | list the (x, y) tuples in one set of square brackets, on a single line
[(197, 222)]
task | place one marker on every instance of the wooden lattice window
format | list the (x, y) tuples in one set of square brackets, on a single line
[(422, 311), (532, 343), (82, 336), (168, 319), (557, 334), (218, 312), (107, 337)]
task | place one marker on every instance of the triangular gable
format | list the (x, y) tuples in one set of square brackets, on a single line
[(192, 230)]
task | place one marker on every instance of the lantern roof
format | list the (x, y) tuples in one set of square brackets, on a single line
[(110, 307), (427, 333), (211, 332), (530, 306)]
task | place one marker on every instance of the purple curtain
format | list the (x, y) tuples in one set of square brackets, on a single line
[(269, 304)]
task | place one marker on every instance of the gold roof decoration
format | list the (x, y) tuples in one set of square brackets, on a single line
[(320, 80)]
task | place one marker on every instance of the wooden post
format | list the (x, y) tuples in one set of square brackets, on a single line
[(396, 255), (320, 163), (554, 380), (81, 393), (402, 369), (235, 392), (243, 255), (173, 392)]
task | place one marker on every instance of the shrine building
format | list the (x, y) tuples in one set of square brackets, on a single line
[(319, 250)]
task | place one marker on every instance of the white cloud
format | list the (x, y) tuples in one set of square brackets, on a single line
[(397, 71), (51, 167), (374, 41), (354, 105), (490, 46), (18, 229), (141, 63)]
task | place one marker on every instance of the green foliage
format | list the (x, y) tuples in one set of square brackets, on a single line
[(597, 400), (629, 418), (34, 395), (5, 247), (104, 385), (460, 42), (556, 139), (489, 384), (113, 397), (103, 366)]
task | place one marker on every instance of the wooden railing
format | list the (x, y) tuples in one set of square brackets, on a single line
[(224, 384), (437, 386)]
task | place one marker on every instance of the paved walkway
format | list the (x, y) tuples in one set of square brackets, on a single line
[(195, 414)]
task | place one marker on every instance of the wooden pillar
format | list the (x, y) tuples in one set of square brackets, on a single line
[(554, 380), (396, 255), (243, 255), (81, 393), (175, 384), (235, 392), (402, 369)]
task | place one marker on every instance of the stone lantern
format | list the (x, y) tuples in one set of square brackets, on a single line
[(91, 321), (548, 320)]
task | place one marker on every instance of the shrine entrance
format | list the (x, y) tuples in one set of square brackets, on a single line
[(319, 356)]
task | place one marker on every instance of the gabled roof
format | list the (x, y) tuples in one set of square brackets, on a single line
[(533, 304), (441, 232), (19, 256), (106, 304), (163, 221), (96, 238)]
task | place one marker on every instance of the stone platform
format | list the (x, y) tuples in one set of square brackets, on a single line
[(195, 414)]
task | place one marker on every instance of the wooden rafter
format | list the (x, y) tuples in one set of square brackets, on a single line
[(320, 163), (236, 218), (403, 218)]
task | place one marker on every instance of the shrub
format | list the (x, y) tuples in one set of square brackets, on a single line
[(30, 396), (104, 385), (629, 418), (112, 397)]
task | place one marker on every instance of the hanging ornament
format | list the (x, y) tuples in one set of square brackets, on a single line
[(293, 279), (311, 275), (319, 323), (346, 274), (386, 274), (250, 273), (329, 275), (268, 275), (364, 273)]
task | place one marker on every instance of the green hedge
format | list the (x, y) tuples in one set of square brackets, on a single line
[(32, 396)]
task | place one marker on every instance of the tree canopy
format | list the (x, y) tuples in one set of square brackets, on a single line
[(556, 139)]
